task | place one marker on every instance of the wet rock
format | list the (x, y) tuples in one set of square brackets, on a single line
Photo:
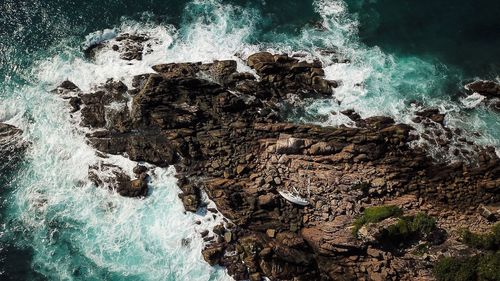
[(113, 177), (12, 148), (190, 196), (91, 51), (490, 89), (139, 169), (177, 70), (213, 254), (430, 114), (131, 46)]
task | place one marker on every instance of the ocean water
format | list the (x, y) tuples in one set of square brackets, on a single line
[(55, 225)]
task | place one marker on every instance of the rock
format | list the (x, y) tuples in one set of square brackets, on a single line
[(139, 169), (177, 70), (332, 238), (221, 71), (260, 58), (240, 169), (113, 177), (487, 88), (374, 253), (289, 145), (91, 51), (68, 85), (12, 149), (430, 114), (212, 255), (75, 103), (266, 200), (271, 232), (228, 236), (190, 196), (489, 212), (130, 46)]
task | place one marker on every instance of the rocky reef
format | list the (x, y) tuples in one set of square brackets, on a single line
[(376, 207)]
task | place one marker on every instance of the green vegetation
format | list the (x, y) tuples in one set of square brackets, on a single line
[(405, 227), (456, 269), (489, 267), (477, 268), (408, 226), (421, 249), (375, 214), (486, 241), (484, 267)]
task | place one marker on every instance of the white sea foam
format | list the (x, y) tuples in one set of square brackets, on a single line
[(376, 83), (78, 230)]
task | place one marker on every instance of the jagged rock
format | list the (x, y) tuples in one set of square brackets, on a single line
[(430, 114), (190, 196), (91, 51), (140, 169), (487, 88), (12, 148), (177, 70), (113, 177), (227, 134), (221, 71), (212, 255), (490, 90), (130, 46)]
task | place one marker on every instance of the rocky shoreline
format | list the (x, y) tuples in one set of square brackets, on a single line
[(228, 135)]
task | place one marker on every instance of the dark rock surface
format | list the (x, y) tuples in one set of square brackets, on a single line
[(488, 89), (227, 135), (12, 148), (130, 46)]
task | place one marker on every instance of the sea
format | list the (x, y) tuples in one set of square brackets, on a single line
[(391, 57)]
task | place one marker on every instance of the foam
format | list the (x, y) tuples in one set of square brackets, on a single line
[(77, 229)]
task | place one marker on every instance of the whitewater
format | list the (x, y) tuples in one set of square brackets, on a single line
[(80, 232)]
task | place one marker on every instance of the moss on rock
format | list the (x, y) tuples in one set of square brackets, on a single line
[(376, 214)]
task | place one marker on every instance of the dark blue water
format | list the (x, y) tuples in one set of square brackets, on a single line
[(400, 51), (465, 34)]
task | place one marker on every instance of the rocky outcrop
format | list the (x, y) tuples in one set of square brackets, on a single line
[(12, 147), (484, 87), (129, 46), (113, 177), (228, 136), (489, 89)]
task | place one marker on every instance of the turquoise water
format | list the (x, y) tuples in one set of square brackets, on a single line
[(55, 225)]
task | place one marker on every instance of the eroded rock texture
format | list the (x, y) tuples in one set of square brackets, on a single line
[(12, 147), (227, 136)]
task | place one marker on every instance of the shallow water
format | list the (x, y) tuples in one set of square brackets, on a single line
[(56, 225)]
